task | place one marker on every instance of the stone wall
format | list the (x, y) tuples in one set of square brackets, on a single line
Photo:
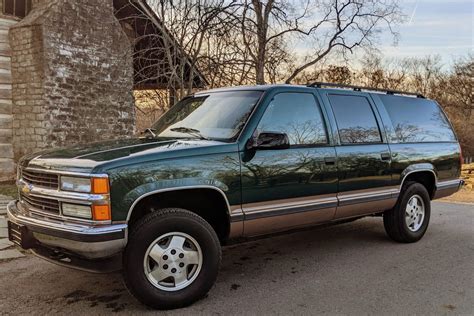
[(72, 76), (6, 148)]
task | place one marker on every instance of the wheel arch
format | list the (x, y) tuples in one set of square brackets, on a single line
[(167, 197), (422, 173)]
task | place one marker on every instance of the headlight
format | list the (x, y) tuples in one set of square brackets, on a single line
[(75, 210), (76, 184), (85, 185)]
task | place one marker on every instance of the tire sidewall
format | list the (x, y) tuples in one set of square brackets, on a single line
[(136, 249)]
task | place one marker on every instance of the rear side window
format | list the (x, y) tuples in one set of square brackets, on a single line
[(417, 120), (355, 119), (298, 115)]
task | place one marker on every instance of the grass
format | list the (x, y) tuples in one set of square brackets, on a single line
[(8, 190), (464, 195)]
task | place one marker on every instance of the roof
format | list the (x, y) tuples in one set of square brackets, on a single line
[(145, 24)]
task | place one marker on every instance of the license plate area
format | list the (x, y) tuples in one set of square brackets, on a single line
[(20, 235)]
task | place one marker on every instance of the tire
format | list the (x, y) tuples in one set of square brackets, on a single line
[(403, 223), (153, 236)]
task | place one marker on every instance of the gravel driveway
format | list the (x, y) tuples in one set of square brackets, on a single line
[(345, 269)]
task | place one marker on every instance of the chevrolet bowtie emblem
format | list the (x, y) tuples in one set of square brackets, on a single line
[(26, 189)]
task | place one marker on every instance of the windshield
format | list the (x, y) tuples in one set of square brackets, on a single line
[(217, 115)]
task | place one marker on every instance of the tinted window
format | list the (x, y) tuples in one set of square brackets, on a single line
[(417, 120), (297, 115), (355, 119)]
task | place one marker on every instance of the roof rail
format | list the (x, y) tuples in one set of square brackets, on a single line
[(358, 88)]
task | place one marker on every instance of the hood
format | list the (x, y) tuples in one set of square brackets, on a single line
[(108, 154)]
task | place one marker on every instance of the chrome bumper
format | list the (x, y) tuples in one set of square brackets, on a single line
[(81, 240)]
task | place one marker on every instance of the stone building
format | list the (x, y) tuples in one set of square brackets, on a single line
[(68, 70)]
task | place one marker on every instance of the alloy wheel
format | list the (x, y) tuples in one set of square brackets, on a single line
[(415, 213), (173, 261)]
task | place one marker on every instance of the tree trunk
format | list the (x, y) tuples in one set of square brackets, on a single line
[(260, 71), (262, 13)]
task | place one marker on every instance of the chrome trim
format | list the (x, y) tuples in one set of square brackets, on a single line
[(88, 199), (441, 185), (66, 173), (285, 208), (286, 203), (362, 197), (306, 204), (34, 212), (63, 226), (130, 210), (236, 217), (63, 196)]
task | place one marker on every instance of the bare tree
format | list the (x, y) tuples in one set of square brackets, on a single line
[(192, 26), (321, 26), (346, 25)]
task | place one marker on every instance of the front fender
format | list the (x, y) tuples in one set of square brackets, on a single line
[(220, 172), (133, 197)]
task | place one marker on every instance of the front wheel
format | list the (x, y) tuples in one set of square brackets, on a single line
[(408, 221), (172, 259)]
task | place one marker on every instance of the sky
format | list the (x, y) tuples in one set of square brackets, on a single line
[(443, 27)]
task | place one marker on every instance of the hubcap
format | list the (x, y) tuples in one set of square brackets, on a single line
[(173, 261), (415, 213)]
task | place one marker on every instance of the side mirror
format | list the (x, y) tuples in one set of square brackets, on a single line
[(270, 140)]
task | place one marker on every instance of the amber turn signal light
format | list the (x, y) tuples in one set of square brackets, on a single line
[(101, 212), (100, 185)]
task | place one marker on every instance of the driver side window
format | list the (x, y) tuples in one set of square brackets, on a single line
[(297, 115)]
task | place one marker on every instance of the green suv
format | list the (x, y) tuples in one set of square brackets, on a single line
[(229, 164)]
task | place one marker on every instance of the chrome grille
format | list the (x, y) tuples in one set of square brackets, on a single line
[(41, 179), (40, 204)]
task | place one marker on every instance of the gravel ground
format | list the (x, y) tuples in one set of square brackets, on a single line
[(345, 269)]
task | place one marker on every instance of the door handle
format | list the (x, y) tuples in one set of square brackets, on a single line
[(385, 156), (330, 160)]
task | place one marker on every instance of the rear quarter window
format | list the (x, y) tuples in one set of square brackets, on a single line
[(417, 120)]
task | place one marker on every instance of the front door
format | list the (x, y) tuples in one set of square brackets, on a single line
[(363, 156), (285, 188)]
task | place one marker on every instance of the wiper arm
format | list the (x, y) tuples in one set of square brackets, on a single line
[(190, 131), (150, 131)]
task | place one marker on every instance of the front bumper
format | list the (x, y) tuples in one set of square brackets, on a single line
[(76, 245)]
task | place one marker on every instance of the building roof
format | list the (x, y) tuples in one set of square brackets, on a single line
[(149, 34)]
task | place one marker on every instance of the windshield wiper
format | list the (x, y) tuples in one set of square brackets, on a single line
[(190, 131), (150, 131)]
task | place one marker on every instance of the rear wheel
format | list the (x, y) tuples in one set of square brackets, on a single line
[(408, 221), (172, 259)]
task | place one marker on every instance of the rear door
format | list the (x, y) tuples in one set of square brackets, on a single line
[(363, 154), (285, 188)]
